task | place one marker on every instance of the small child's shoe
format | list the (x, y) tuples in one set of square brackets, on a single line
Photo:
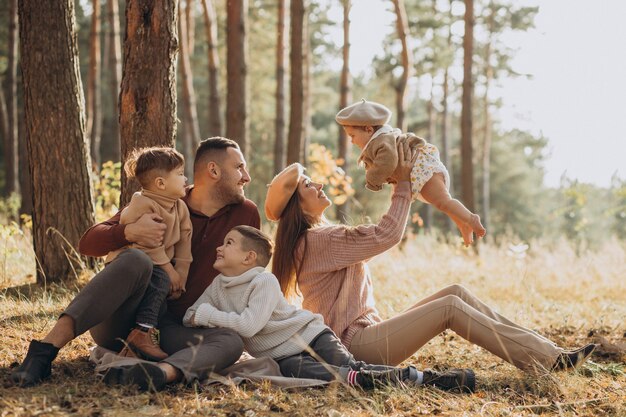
[(144, 343)]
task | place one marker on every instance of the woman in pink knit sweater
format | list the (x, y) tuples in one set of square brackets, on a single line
[(327, 263)]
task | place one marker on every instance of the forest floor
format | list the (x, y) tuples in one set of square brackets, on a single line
[(573, 298)]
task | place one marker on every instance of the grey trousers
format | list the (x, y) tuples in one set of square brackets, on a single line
[(108, 304), (154, 297), (327, 359)]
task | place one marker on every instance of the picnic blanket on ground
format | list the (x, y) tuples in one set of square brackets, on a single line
[(246, 368)]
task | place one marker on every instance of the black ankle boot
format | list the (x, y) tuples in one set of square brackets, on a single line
[(36, 365), (369, 379), (462, 380), (573, 359)]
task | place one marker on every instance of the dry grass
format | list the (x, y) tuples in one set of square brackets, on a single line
[(548, 287)]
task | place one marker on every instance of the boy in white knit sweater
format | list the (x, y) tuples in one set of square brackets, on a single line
[(248, 299)]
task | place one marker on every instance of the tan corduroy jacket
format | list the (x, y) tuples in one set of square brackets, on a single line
[(380, 155), (177, 239)]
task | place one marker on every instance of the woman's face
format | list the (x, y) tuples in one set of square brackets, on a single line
[(312, 199)]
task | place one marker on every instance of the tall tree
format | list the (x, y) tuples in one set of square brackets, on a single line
[(307, 81), (191, 129), (11, 155), (467, 169), (190, 25), (237, 72), (445, 114), (402, 27), (214, 108), (279, 124), (4, 122), (148, 92), (296, 99), (114, 62), (94, 96), (54, 117), (486, 151), (345, 97)]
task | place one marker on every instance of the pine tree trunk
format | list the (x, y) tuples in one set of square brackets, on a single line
[(306, 90), (57, 145), (190, 25), (345, 97), (215, 113), (237, 73), (4, 123), (26, 186), (190, 115), (148, 91), (467, 169), (11, 150), (94, 98), (445, 123), (486, 162), (114, 61), (402, 27), (279, 141), (296, 97)]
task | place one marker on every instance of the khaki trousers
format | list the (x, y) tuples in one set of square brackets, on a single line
[(456, 308)]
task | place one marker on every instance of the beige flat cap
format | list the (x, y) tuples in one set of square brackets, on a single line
[(281, 189), (364, 113)]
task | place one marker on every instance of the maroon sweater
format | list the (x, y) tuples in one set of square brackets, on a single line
[(208, 233)]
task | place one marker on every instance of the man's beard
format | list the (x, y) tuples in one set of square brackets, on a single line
[(227, 193)]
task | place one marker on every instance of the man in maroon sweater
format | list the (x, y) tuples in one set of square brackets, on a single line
[(106, 305)]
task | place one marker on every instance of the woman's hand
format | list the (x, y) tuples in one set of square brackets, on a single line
[(406, 160)]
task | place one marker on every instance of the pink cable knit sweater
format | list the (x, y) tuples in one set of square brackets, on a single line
[(334, 279)]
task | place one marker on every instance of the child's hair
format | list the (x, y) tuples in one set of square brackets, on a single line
[(146, 164), (256, 241)]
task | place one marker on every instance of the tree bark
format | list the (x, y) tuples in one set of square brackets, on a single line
[(114, 61), (215, 112), (402, 27), (190, 118), (237, 73), (296, 97), (4, 124), (307, 81), (467, 169), (11, 155), (94, 97), (26, 186), (345, 97), (190, 25), (445, 123), (486, 154), (148, 91), (279, 141), (54, 117)]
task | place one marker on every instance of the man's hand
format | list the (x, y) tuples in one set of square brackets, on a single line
[(147, 231)]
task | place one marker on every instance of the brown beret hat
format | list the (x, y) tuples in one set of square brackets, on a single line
[(281, 189), (364, 113)]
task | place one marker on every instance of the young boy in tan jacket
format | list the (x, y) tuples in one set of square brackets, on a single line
[(160, 171), (365, 123)]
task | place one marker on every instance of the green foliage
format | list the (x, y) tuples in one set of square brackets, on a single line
[(107, 190), (617, 209)]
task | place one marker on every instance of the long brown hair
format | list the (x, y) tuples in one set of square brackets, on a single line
[(292, 226)]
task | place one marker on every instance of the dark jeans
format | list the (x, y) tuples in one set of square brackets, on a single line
[(154, 297), (335, 363), (107, 306)]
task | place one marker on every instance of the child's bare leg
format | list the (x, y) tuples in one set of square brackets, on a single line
[(436, 193)]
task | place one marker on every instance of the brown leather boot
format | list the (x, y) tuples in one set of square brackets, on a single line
[(144, 344)]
